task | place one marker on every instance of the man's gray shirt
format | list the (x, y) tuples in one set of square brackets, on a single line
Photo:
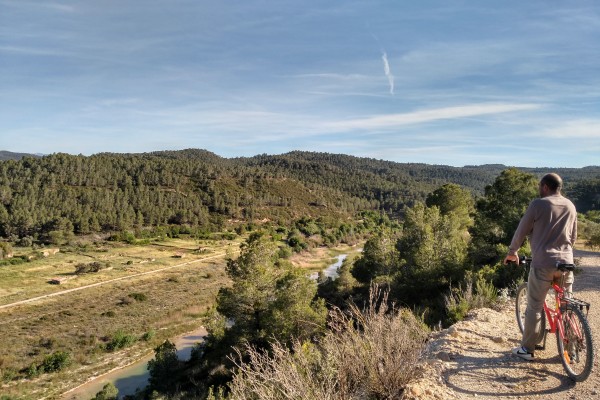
[(551, 223)]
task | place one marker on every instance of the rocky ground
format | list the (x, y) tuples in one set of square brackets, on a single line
[(472, 359)]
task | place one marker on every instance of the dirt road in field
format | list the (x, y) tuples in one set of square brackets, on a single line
[(473, 359), (62, 292)]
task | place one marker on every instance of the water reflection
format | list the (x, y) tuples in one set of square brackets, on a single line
[(136, 375), (332, 270)]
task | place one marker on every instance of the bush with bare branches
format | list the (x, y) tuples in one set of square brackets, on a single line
[(371, 353)]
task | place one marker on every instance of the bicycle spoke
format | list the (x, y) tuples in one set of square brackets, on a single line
[(575, 347)]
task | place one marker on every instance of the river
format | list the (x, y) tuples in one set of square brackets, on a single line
[(133, 376), (332, 270)]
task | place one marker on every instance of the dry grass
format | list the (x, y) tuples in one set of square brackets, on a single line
[(370, 354), (82, 322)]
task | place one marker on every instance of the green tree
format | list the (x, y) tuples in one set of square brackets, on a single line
[(5, 250), (164, 368), (379, 260), (108, 392), (498, 214), (268, 297), (451, 198), (267, 300), (433, 249)]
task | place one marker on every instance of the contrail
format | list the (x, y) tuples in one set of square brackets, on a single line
[(388, 73), (386, 63)]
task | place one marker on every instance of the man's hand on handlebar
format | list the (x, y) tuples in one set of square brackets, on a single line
[(511, 258)]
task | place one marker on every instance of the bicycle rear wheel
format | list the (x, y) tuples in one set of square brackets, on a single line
[(576, 348), (521, 308)]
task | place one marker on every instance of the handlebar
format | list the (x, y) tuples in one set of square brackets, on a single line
[(525, 260), (560, 266)]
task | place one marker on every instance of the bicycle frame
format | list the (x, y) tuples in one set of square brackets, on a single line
[(554, 316)]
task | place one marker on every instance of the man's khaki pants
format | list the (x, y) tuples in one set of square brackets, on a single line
[(538, 283)]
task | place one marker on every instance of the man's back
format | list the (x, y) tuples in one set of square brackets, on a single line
[(551, 222)]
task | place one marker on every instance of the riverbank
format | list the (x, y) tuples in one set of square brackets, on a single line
[(134, 375)]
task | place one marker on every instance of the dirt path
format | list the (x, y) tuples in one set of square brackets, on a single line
[(473, 359), (62, 292)]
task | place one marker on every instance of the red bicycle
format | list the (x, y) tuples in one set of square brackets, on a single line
[(565, 317)]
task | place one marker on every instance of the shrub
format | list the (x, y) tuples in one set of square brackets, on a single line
[(5, 250), (486, 294), (358, 358), (593, 237), (26, 241), (138, 296), (33, 371), (47, 343), (14, 260), (108, 392), (147, 336), (56, 361), (125, 301), (285, 252), (8, 374), (120, 340), (83, 268), (459, 301)]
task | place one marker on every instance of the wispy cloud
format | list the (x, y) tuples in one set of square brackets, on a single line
[(388, 73), (65, 8), (32, 51), (576, 129), (422, 116)]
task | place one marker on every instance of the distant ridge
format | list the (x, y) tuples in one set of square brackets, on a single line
[(9, 155)]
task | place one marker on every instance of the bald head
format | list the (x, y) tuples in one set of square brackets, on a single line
[(553, 182)]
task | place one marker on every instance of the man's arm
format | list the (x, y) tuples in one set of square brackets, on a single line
[(525, 227)]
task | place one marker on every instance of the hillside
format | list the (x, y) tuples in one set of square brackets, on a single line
[(8, 155), (197, 188)]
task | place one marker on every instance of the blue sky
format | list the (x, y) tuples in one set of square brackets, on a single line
[(438, 82)]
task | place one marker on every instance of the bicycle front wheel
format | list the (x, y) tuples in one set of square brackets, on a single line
[(576, 348), (521, 305)]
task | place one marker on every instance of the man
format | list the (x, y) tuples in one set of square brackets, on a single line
[(551, 224)]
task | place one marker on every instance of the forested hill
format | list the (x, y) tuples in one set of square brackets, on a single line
[(107, 192), (9, 155)]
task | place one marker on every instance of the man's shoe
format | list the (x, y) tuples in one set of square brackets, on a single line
[(523, 353)]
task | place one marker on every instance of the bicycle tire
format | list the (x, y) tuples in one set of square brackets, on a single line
[(521, 307), (577, 345)]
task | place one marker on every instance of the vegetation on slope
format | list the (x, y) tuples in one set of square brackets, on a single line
[(437, 236), (53, 197)]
